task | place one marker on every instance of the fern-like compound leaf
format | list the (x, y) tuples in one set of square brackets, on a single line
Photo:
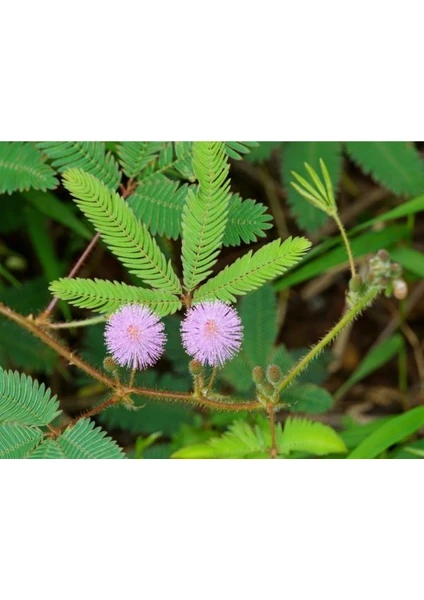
[(262, 152), (49, 449), (174, 158), (128, 239), (306, 436), (25, 401), (252, 270), (295, 154), (136, 156), (258, 312), (240, 441), (88, 156), (107, 296), (22, 168), (244, 441), (17, 441), (237, 150), (397, 165), (83, 440), (205, 213), (247, 221), (159, 205)]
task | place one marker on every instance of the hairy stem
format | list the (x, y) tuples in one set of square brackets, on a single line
[(30, 324), (45, 314), (346, 242), (71, 324), (347, 318), (273, 450), (54, 432), (212, 379)]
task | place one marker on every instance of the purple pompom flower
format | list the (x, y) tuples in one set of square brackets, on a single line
[(212, 332), (134, 336)]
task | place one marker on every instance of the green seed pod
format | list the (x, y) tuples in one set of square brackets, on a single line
[(195, 367), (258, 375), (274, 374)]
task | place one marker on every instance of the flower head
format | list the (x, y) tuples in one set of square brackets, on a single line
[(134, 336), (212, 332)]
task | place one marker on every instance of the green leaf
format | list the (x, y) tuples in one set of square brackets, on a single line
[(410, 259), (49, 449), (90, 157), (244, 441), (258, 312), (372, 361), (251, 271), (42, 244), (22, 167), (394, 431), (128, 239), (151, 415), (57, 210), (237, 150), (107, 296), (397, 165), (25, 401), (174, 159), (315, 438), (159, 205), (355, 433), (247, 221), (83, 441), (238, 373), (307, 398), (262, 152), (17, 441), (205, 213), (414, 450), (366, 243), (136, 156), (295, 154), (241, 441)]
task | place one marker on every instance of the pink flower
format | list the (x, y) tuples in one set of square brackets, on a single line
[(134, 336), (212, 332)]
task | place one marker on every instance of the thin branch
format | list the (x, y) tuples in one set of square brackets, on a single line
[(126, 191), (346, 242), (71, 324), (347, 318), (30, 324), (45, 314), (54, 432)]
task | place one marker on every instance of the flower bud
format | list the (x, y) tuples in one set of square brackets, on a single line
[(258, 375), (195, 367), (383, 255), (274, 374), (395, 268), (355, 283), (400, 289), (109, 364)]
